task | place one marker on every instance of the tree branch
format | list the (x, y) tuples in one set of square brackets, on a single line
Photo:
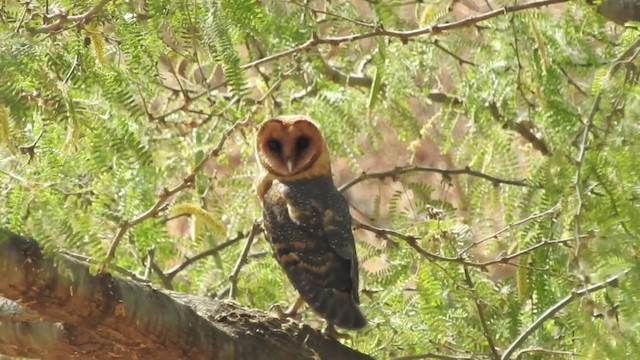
[(10, 311), (483, 320), (63, 19), (404, 36), (436, 356), (171, 273), (138, 319), (233, 278), (511, 226), (396, 172), (412, 241), (550, 312), (166, 194)]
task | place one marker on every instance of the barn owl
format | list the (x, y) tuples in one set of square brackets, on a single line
[(307, 220)]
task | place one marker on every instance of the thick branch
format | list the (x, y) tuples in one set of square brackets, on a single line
[(141, 320), (50, 340)]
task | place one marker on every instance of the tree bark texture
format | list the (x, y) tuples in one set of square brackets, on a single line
[(55, 308)]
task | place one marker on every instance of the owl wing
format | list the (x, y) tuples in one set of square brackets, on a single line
[(317, 250), (329, 221)]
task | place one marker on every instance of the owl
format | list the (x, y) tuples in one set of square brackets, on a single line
[(307, 220)]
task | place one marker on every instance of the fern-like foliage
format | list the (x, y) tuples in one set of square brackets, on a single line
[(99, 118)]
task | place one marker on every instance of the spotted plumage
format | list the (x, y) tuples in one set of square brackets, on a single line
[(307, 220)]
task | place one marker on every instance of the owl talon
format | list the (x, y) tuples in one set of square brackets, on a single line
[(277, 309), (330, 331), (291, 312)]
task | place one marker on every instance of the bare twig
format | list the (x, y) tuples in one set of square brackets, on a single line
[(337, 16), (436, 356), (412, 241), (23, 15), (233, 278), (483, 320), (171, 273), (63, 19), (160, 204), (91, 261), (543, 351), (579, 162), (572, 82), (166, 194), (396, 172), (376, 32), (76, 60), (522, 129), (629, 55), (339, 78), (437, 44), (404, 36), (550, 312), (151, 254), (507, 258), (511, 226), (31, 148)]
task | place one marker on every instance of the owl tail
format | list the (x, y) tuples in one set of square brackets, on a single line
[(336, 307)]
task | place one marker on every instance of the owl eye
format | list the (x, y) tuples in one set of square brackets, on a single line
[(302, 143), (274, 145)]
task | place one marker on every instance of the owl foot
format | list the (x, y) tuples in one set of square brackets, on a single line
[(291, 312), (330, 331)]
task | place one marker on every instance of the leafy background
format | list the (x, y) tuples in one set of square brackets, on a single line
[(492, 165)]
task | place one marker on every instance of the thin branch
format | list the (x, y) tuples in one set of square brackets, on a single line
[(437, 44), (31, 148), (23, 15), (377, 31), (572, 82), (166, 194), (435, 356), (519, 127), (550, 312), (412, 241), (404, 36), (233, 278), (507, 258), (629, 55), (337, 16), (579, 162), (543, 351), (339, 78), (396, 172), (511, 226), (74, 65), (171, 273), (76, 19), (483, 320), (90, 261)]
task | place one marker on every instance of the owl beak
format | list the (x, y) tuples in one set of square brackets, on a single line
[(290, 165)]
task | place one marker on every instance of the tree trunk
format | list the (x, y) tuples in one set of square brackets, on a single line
[(57, 309)]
